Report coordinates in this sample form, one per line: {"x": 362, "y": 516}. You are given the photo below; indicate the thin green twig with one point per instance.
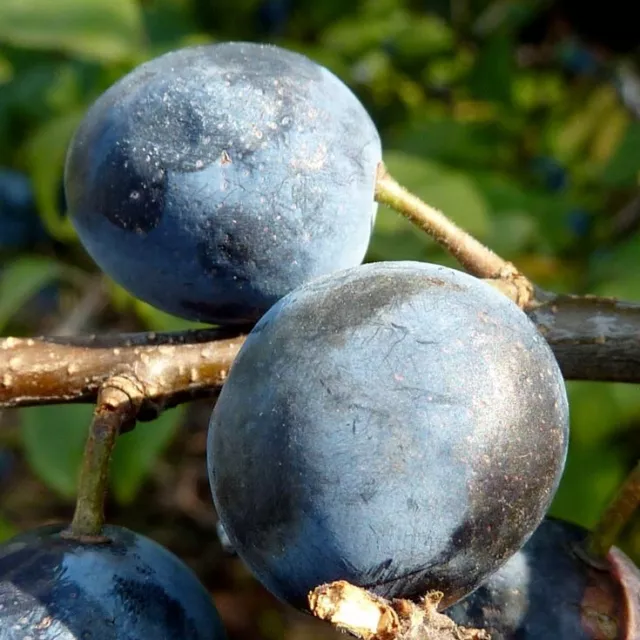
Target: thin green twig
{"x": 616, "y": 516}
{"x": 116, "y": 407}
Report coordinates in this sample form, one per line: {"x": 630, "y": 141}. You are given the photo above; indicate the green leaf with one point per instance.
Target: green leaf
{"x": 411, "y": 36}
{"x": 156, "y": 320}
{"x": 53, "y": 438}
{"x": 461, "y": 144}
{"x": 624, "y": 166}
{"x": 449, "y": 190}
{"x": 447, "y": 70}
{"x": 153, "y": 319}
{"x": 21, "y": 280}
{"x": 492, "y": 76}
{"x": 533, "y": 91}
{"x": 594, "y": 468}
{"x": 590, "y": 478}
{"x": 7, "y": 530}
{"x": 568, "y": 139}
{"x": 627, "y": 401}
{"x": 425, "y": 35}
{"x": 539, "y": 215}
{"x": 6, "y": 70}
{"x": 595, "y": 414}
{"x": 609, "y": 136}
{"x": 137, "y": 451}
{"x": 616, "y": 271}
{"x": 353, "y": 36}
{"x": 45, "y": 155}
{"x": 106, "y": 30}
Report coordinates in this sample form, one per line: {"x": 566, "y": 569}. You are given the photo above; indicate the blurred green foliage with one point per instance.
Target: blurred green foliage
{"x": 535, "y": 159}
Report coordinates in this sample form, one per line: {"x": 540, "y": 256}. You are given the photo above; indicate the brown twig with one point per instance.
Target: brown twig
{"x": 616, "y": 516}
{"x": 592, "y": 338}
{"x": 475, "y": 257}
{"x": 172, "y": 367}
{"x": 92, "y": 301}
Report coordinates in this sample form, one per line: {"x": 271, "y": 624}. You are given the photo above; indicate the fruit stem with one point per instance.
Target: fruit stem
{"x": 616, "y": 516}
{"x": 477, "y": 259}
{"x": 117, "y": 405}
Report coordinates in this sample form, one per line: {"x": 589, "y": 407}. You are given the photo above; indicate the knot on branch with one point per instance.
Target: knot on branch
{"x": 511, "y": 283}
{"x": 123, "y": 394}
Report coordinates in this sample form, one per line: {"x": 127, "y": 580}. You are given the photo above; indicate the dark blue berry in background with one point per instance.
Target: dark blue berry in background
{"x": 551, "y": 173}
{"x": 213, "y": 180}
{"x": 20, "y": 225}
{"x": 130, "y": 588}
{"x": 578, "y": 59}
{"x": 274, "y": 16}
{"x": 8, "y": 459}
{"x": 580, "y": 222}
{"x": 402, "y": 426}
{"x": 547, "y": 591}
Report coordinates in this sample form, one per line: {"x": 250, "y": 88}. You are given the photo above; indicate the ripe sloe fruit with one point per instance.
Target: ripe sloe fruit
{"x": 546, "y": 590}
{"x": 213, "y": 180}
{"x": 402, "y": 426}
{"x": 127, "y": 589}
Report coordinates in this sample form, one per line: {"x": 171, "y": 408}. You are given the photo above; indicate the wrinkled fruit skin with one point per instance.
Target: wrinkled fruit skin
{"x": 213, "y": 180}
{"x": 547, "y": 591}
{"x": 401, "y": 426}
{"x": 131, "y": 588}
